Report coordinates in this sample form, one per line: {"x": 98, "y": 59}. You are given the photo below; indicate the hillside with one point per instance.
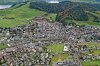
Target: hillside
{"x": 19, "y": 14}
{"x": 87, "y": 1}
{"x": 74, "y": 10}
{"x": 82, "y": 0}
{"x": 18, "y": 1}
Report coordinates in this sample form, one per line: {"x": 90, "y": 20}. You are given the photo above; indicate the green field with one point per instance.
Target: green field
{"x": 56, "y": 48}
{"x": 91, "y": 63}
{"x": 88, "y": 23}
{"x": 19, "y": 15}
{"x": 3, "y": 46}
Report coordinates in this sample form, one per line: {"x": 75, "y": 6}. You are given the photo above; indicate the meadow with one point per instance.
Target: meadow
{"x": 91, "y": 63}
{"x": 56, "y": 48}
{"x": 19, "y": 15}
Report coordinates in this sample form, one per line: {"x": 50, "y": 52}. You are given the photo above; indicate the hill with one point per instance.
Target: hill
{"x": 70, "y": 10}
{"x": 87, "y": 1}
{"x": 18, "y": 1}
{"x": 18, "y": 15}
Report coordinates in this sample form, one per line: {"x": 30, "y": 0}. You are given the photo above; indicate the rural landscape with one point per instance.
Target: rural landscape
{"x": 49, "y": 32}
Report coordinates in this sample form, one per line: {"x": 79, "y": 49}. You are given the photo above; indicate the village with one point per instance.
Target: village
{"x": 27, "y": 44}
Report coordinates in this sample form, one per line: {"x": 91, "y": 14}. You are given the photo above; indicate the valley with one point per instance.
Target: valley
{"x": 38, "y": 33}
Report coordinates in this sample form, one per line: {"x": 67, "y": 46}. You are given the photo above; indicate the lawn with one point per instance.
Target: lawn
{"x": 3, "y": 46}
{"x": 56, "y": 48}
{"x": 91, "y": 63}
{"x": 11, "y": 23}
{"x": 20, "y": 15}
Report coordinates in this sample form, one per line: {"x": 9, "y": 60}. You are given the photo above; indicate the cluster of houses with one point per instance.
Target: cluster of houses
{"x": 26, "y": 43}
{"x": 24, "y": 56}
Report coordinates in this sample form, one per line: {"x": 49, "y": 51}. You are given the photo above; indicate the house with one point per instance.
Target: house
{"x": 66, "y": 48}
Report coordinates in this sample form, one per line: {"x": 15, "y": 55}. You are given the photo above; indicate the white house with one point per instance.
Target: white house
{"x": 66, "y": 48}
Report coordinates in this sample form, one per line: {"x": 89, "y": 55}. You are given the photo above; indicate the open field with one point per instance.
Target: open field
{"x": 56, "y": 48}
{"x": 91, "y": 63}
{"x": 19, "y": 15}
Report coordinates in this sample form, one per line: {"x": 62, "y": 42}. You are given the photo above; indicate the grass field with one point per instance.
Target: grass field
{"x": 3, "y": 46}
{"x": 91, "y": 63}
{"x": 19, "y": 15}
{"x": 88, "y": 23}
{"x": 56, "y": 48}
